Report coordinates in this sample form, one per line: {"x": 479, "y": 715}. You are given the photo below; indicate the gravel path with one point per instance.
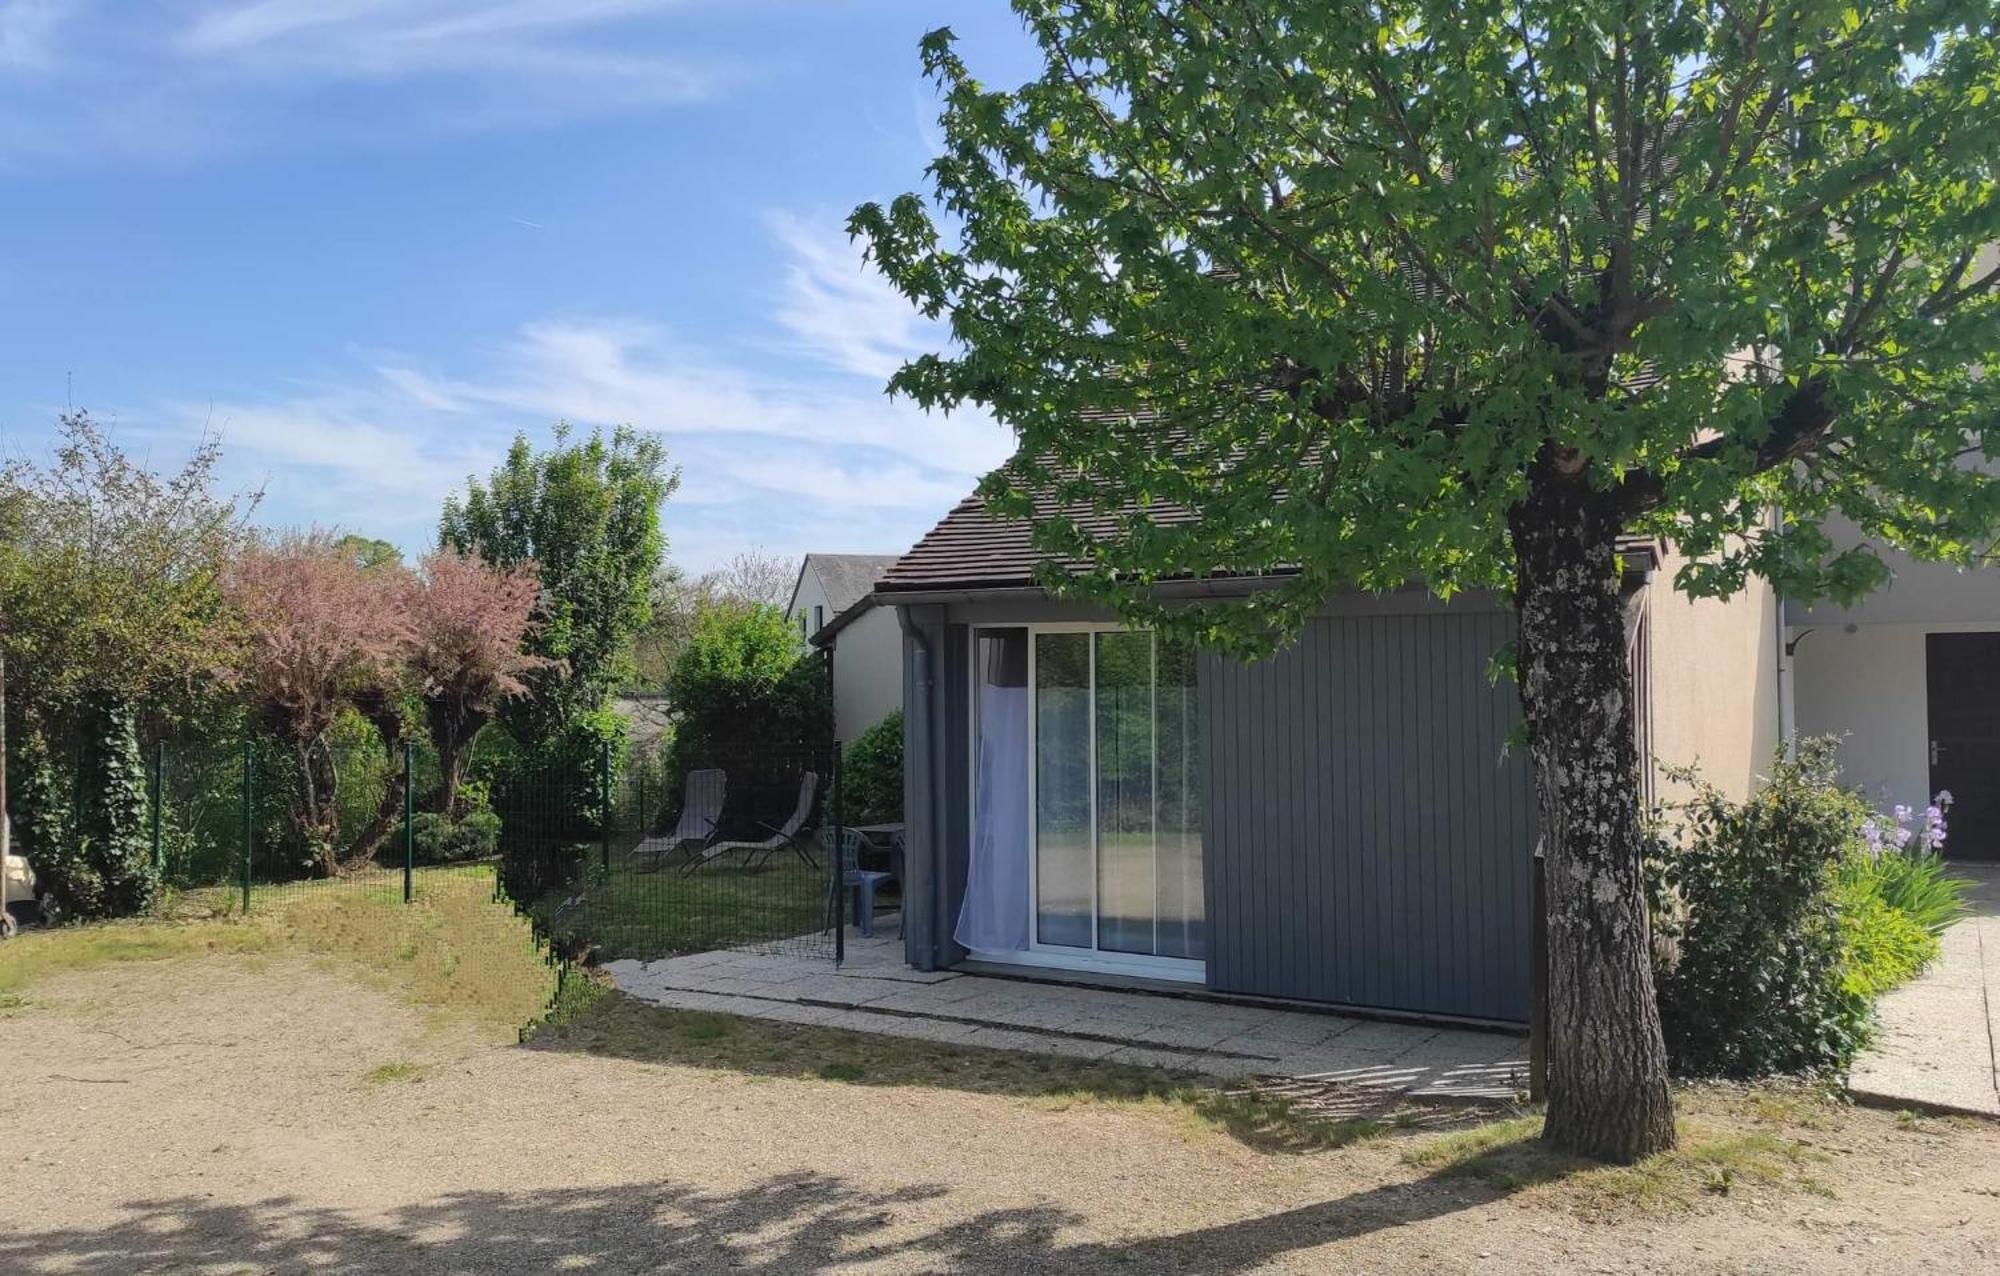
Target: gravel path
{"x": 244, "y": 1115}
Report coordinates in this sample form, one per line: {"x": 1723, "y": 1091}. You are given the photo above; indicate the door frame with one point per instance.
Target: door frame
{"x": 1060, "y": 956}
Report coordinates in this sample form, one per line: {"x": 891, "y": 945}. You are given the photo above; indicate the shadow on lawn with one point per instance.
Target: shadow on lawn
{"x": 792, "y": 1223}
{"x": 1265, "y": 1119}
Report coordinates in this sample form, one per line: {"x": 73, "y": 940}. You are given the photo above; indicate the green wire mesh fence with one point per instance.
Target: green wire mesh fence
{"x": 610, "y": 855}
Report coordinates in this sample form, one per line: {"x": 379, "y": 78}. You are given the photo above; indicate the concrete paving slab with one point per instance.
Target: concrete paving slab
{"x": 1936, "y": 1047}
{"x": 874, "y": 992}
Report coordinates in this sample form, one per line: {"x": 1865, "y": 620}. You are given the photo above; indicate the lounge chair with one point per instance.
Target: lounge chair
{"x": 701, "y": 816}
{"x": 784, "y": 837}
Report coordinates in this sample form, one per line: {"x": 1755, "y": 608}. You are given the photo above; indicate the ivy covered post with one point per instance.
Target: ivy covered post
{"x": 1422, "y": 291}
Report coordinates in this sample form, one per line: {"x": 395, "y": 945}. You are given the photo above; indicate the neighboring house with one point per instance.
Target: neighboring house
{"x": 1344, "y": 823}
{"x": 831, "y": 607}
{"x": 1910, "y": 676}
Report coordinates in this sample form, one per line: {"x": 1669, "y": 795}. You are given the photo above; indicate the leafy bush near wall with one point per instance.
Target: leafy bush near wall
{"x": 872, "y": 770}
{"x": 1750, "y": 975}
{"x": 750, "y": 700}
{"x": 1779, "y": 920}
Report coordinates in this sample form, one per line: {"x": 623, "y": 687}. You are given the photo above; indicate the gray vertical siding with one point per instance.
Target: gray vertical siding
{"x": 1367, "y": 833}
{"x": 955, "y": 778}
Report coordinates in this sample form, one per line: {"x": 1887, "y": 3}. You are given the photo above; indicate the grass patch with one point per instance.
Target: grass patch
{"x": 453, "y": 948}
{"x": 35, "y": 954}
{"x": 1274, "y": 1123}
{"x": 1744, "y": 1141}
{"x": 390, "y": 1073}
{"x": 634, "y": 911}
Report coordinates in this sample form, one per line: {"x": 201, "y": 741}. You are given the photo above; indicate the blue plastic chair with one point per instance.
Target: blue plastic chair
{"x": 852, "y": 876}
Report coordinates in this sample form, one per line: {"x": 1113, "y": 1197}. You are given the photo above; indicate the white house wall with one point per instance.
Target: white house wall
{"x": 1867, "y": 685}
{"x": 1859, "y": 671}
{"x": 867, "y": 672}
{"x": 1714, "y": 683}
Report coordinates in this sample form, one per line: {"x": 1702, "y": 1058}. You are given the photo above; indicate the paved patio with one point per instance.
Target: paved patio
{"x": 1371, "y": 1062}
{"x": 1936, "y": 1048}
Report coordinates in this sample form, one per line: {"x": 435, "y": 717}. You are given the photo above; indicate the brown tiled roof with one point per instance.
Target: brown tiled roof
{"x": 972, "y": 549}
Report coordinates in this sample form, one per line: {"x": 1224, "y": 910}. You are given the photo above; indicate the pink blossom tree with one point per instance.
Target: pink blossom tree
{"x": 319, "y": 629}
{"x": 469, "y": 622}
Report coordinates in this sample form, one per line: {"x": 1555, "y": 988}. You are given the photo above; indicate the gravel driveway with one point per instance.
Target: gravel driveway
{"x": 231, "y": 1114}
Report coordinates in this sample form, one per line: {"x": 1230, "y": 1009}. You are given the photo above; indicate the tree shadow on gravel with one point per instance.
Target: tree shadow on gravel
{"x": 1290, "y": 1117}
{"x": 792, "y": 1223}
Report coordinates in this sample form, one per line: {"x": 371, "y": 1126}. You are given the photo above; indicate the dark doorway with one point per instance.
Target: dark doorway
{"x": 1963, "y": 681}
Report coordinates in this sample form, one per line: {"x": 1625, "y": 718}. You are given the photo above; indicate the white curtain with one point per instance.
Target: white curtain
{"x": 994, "y": 917}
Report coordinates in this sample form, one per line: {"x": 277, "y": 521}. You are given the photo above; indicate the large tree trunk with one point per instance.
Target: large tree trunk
{"x": 383, "y": 714}
{"x": 454, "y": 725}
{"x": 1608, "y": 1095}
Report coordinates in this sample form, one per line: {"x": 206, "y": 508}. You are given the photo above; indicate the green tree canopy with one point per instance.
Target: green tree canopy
{"x": 1460, "y": 293}
{"x": 111, "y": 607}
{"x": 586, "y": 514}
{"x": 110, "y": 572}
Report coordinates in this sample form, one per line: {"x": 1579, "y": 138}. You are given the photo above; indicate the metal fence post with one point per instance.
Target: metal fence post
{"x": 409, "y": 822}
{"x": 604, "y": 793}
{"x": 249, "y": 815}
{"x": 837, "y": 853}
{"x": 159, "y": 801}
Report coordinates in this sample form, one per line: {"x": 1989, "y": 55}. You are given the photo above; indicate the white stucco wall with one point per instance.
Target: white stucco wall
{"x": 1714, "y": 683}
{"x": 867, "y": 672}
{"x": 1869, "y": 686}
{"x": 1859, "y": 671}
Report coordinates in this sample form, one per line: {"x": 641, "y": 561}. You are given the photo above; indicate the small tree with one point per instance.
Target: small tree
{"x": 586, "y": 513}
{"x": 749, "y": 698}
{"x": 469, "y": 624}
{"x": 1461, "y": 294}
{"x": 110, "y": 605}
{"x": 319, "y": 628}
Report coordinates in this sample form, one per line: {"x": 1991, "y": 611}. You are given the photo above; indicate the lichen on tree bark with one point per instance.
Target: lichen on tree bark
{"x": 1608, "y": 1094}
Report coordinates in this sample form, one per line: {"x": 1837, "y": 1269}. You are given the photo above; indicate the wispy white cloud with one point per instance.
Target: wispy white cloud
{"x": 214, "y": 76}
{"x": 840, "y": 311}
{"x": 813, "y": 457}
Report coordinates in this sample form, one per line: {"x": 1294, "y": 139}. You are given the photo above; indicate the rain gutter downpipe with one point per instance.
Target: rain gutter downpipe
{"x": 920, "y": 779}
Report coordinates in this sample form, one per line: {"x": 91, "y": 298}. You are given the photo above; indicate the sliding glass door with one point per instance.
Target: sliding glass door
{"x": 1116, "y": 809}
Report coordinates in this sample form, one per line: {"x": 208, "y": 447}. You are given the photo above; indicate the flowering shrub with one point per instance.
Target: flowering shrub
{"x": 1896, "y": 834}
{"x": 1779, "y": 920}
{"x": 1905, "y": 867}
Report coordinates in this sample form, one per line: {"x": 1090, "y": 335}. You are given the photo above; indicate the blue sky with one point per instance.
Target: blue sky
{"x": 366, "y": 242}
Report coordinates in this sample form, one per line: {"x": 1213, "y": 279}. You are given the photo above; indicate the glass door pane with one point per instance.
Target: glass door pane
{"x": 1125, "y": 758}
{"x": 1064, "y": 863}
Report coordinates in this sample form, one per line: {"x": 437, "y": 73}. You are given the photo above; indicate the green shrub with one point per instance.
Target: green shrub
{"x": 1752, "y": 971}
{"x": 550, "y": 796}
{"x": 439, "y": 839}
{"x": 872, "y": 771}
{"x": 1881, "y": 945}
{"x": 1919, "y": 886}
{"x": 750, "y": 700}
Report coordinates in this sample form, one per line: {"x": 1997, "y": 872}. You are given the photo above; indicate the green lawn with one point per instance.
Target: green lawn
{"x": 454, "y": 947}
{"x": 636, "y": 911}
